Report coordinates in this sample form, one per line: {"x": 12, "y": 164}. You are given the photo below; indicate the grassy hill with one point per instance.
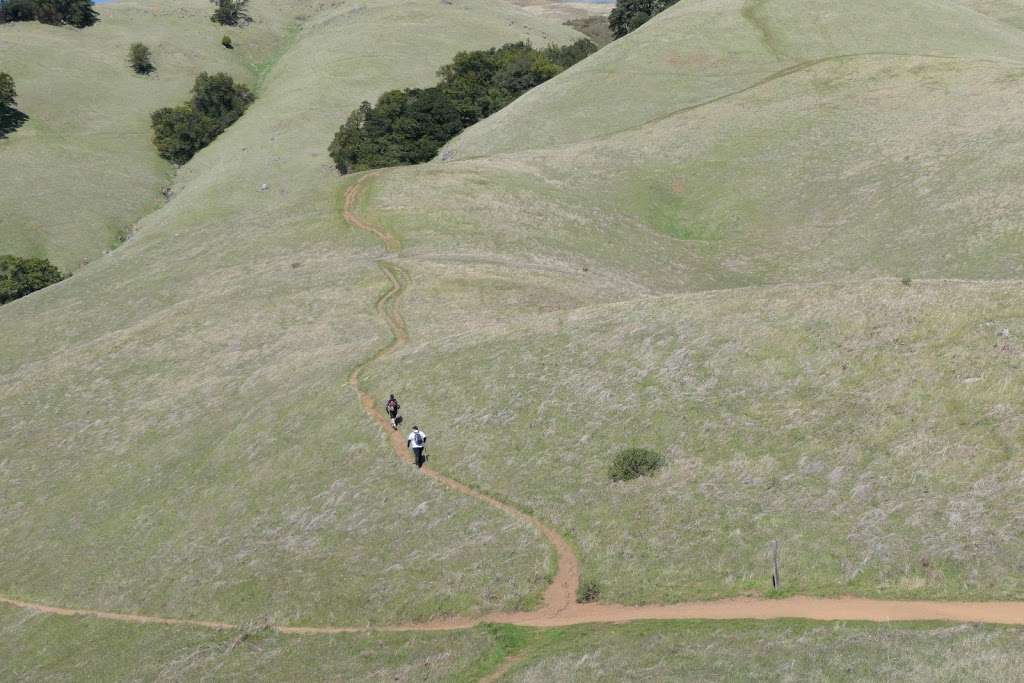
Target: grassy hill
{"x": 82, "y": 170}
{"x": 190, "y": 390}
{"x": 692, "y": 241}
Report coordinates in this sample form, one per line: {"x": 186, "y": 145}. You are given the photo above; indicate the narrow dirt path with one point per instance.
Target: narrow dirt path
{"x": 559, "y": 607}
{"x": 561, "y": 594}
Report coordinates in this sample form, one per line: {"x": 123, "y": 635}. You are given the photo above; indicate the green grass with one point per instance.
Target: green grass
{"x": 37, "y": 648}
{"x": 691, "y": 242}
{"x": 775, "y": 651}
{"x": 182, "y": 436}
{"x": 83, "y": 169}
{"x": 866, "y": 426}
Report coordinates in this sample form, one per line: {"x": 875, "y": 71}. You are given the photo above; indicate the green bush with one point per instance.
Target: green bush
{"x": 78, "y": 13}
{"x": 226, "y": 42}
{"x": 217, "y": 102}
{"x": 409, "y": 126}
{"x": 589, "y": 591}
{"x": 21, "y": 276}
{"x": 631, "y": 463}
{"x": 7, "y": 92}
{"x": 230, "y": 12}
{"x": 141, "y": 59}
{"x": 629, "y": 15}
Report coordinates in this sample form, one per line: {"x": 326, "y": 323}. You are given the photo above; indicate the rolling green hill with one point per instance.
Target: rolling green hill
{"x": 776, "y": 241}
{"x": 82, "y": 170}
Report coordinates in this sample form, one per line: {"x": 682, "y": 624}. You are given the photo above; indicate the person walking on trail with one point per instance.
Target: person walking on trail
{"x": 417, "y": 441}
{"x": 392, "y": 408}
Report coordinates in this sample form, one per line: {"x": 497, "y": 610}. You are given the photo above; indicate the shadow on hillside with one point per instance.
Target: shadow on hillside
{"x": 10, "y": 121}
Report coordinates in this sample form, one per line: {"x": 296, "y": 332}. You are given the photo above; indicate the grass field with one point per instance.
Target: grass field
{"x": 189, "y": 391}
{"x": 35, "y": 647}
{"x": 695, "y": 240}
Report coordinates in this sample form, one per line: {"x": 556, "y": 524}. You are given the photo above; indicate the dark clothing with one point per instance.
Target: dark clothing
{"x": 420, "y": 458}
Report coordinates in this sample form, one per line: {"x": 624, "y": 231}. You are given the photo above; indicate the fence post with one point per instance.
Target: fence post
{"x": 776, "y": 578}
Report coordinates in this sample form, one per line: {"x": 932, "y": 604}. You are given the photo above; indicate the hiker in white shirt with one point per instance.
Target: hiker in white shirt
{"x": 417, "y": 441}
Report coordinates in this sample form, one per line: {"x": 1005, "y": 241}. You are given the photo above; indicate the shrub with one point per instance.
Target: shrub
{"x": 78, "y": 13}
{"x": 141, "y": 59}
{"x": 230, "y": 12}
{"x": 589, "y": 591}
{"x": 629, "y": 15}
{"x": 217, "y": 102}
{"x": 7, "y": 92}
{"x": 22, "y": 276}
{"x": 409, "y": 126}
{"x": 906, "y": 281}
{"x": 631, "y": 463}
{"x": 226, "y": 42}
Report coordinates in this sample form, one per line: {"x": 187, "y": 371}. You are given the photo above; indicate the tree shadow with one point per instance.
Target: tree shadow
{"x": 10, "y": 121}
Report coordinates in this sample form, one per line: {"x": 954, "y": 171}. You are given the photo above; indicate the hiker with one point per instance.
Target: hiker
{"x": 392, "y": 408}
{"x": 417, "y": 441}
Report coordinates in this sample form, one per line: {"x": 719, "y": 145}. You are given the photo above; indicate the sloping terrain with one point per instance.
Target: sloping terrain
{"x": 776, "y": 241}
{"x": 190, "y": 391}
{"x": 82, "y": 169}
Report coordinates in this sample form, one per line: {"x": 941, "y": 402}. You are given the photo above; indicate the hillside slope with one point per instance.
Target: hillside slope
{"x": 701, "y": 50}
{"x": 704, "y": 258}
{"x": 189, "y": 392}
{"x": 82, "y": 170}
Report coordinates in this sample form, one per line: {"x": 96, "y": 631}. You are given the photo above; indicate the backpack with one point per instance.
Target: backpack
{"x": 417, "y": 439}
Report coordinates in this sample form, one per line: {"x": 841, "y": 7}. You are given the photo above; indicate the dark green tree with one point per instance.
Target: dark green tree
{"x": 21, "y": 276}
{"x": 217, "y": 102}
{"x": 141, "y": 59}
{"x": 567, "y": 55}
{"x": 410, "y": 126}
{"x": 629, "y": 15}
{"x": 78, "y": 13}
{"x": 8, "y": 94}
{"x": 230, "y": 12}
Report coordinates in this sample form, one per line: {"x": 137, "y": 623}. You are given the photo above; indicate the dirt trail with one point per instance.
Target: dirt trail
{"x": 559, "y": 607}
{"x": 561, "y": 594}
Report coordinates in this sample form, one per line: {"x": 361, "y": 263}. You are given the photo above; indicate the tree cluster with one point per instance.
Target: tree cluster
{"x": 217, "y": 102}
{"x": 629, "y": 15}
{"x": 78, "y": 13}
{"x": 409, "y": 126}
{"x": 230, "y": 12}
{"x": 21, "y": 276}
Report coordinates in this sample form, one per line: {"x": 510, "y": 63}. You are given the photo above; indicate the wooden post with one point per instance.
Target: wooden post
{"x": 776, "y": 578}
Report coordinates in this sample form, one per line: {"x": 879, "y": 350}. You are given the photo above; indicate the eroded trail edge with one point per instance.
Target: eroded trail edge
{"x": 559, "y": 607}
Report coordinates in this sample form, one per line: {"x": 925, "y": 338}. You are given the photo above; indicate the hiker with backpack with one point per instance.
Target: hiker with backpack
{"x": 417, "y": 441}
{"x": 392, "y": 408}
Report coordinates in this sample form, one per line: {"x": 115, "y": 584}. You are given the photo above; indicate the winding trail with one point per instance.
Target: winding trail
{"x": 559, "y": 607}
{"x": 561, "y": 594}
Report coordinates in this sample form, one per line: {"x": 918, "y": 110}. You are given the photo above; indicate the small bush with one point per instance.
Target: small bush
{"x": 631, "y": 463}
{"x": 226, "y": 42}
{"x": 141, "y": 59}
{"x": 906, "y": 281}
{"x": 7, "y": 92}
{"x": 22, "y": 276}
{"x": 589, "y": 591}
{"x": 217, "y": 102}
{"x": 230, "y": 12}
